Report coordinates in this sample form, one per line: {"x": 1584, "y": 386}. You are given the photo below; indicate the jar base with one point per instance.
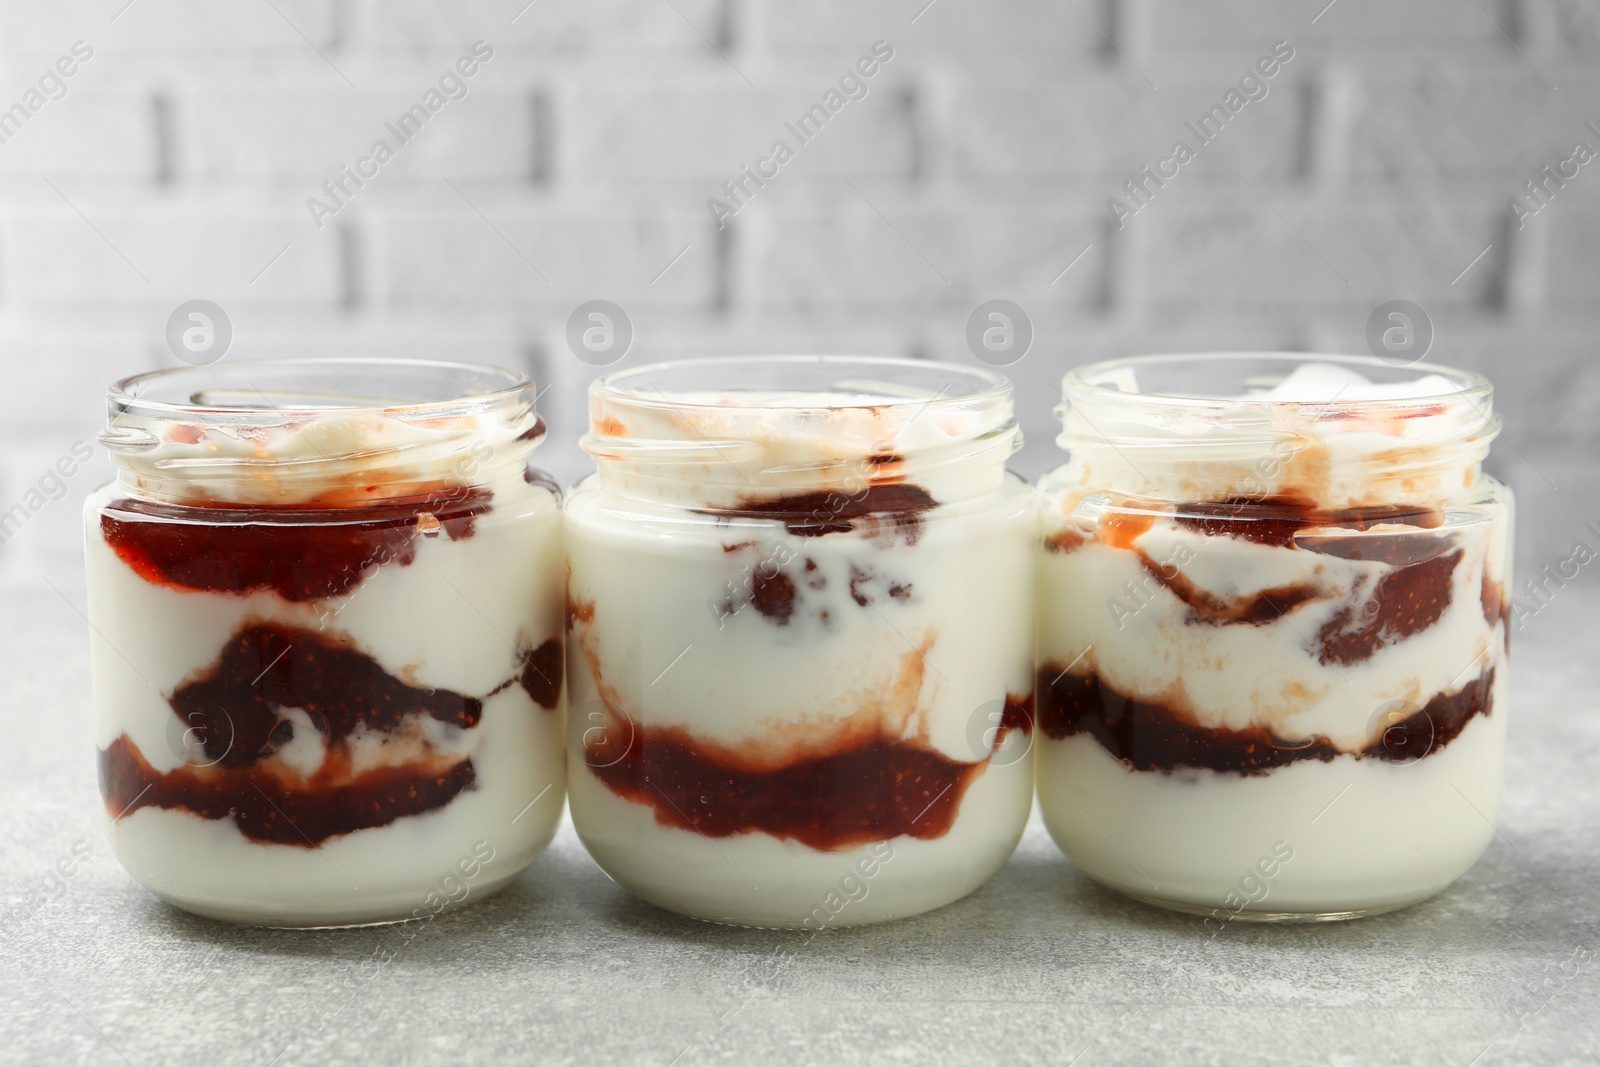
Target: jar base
{"x": 798, "y": 926}
{"x": 1284, "y": 917}
{"x": 327, "y": 926}
{"x": 354, "y": 920}
{"x": 794, "y": 925}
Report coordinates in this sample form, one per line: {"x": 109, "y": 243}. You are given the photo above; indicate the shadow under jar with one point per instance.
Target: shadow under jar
{"x": 1272, "y": 632}
{"x": 326, "y": 599}
{"x": 798, "y": 601}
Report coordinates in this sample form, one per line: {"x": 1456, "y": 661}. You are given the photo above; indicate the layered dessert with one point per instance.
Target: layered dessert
{"x": 799, "y": 644}
{"x": 1272, "y": 621}
{"x": 327, "y": 636}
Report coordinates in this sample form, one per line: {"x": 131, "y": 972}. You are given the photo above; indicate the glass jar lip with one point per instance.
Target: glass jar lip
{"x": 988, "y": 385}
{"x": 130, "y": 394}
{"x": 1082, "y": 381}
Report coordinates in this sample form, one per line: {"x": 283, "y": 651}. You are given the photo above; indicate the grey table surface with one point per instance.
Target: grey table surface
{"x": 1040, "y": 965}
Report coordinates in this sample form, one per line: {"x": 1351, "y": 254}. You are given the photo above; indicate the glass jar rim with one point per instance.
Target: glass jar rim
{"x": 276, "y": 429}
{"x": 1200, "y": 434}
{"x": 131, "y": 395}
{"x": 1090, "y": 380}
{"x": 784, "y": 424}
{"x": 621, "y": 386}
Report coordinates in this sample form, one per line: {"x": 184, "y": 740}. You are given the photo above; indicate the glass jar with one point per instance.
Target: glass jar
{"x": 326, "y": 600}
{"x": 798, "y": 604}
{"x": 1272, "y": 632}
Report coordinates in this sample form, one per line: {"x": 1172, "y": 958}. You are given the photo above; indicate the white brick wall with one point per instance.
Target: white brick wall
{"x": 179, "y": 160}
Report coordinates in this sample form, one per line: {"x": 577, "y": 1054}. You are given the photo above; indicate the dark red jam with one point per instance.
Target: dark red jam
{"x": 1404, "y": 602}
{"x": 877, "y": 790}
{"x": 867, "y": 790}
{"x": 1276, "y": 520}
{"x": 1018, "y": 714}
{"x": 541, "y": 673}
{"x": 1155, "y": 736}
{"x": 267, "y": 808}
{"x": 772, "y": 593}
{"x": 232, "y": 710}
{"x": 897, "y": 505}
{"x": 1204, "y": 607}
{"x": 309, "y": 551}
{"x": 1408, "y": 599}
{"x": 233, "y": 706}
{"x": 777, "y": 593}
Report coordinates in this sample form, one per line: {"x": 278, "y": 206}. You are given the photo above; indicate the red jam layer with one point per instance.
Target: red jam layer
{"x": 1407, "y": 600}
{"x": 270, "y": 810}
{"x": 233, "y": 706}
{"x": 1404, "y": 602}
{"x": 1279, "y": 521}
{"x": 871, "y": 790}
{"x": 1204, "y": 607}
{"x": 898, "y": 505}
{"x": 1018, "y": 715}
{"x": 309, "y": 551}
{"x": 232, "y": 711}
{"x": 1276, "y": 520}
{"x": 1154, "y": 736}
{"x": 541, "y": 673}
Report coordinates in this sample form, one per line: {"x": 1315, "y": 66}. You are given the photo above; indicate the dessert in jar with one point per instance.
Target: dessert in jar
{"x": 326, "y": 607}
{"x": 1272, "y": 632}
{"x": 799, "y": 649}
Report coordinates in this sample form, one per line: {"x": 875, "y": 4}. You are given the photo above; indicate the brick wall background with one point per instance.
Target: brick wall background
{"x": 1380, "y": 164}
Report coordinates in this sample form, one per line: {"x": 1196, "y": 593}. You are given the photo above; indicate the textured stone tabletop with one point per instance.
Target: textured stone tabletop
{"x": 1039, "y": 966}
